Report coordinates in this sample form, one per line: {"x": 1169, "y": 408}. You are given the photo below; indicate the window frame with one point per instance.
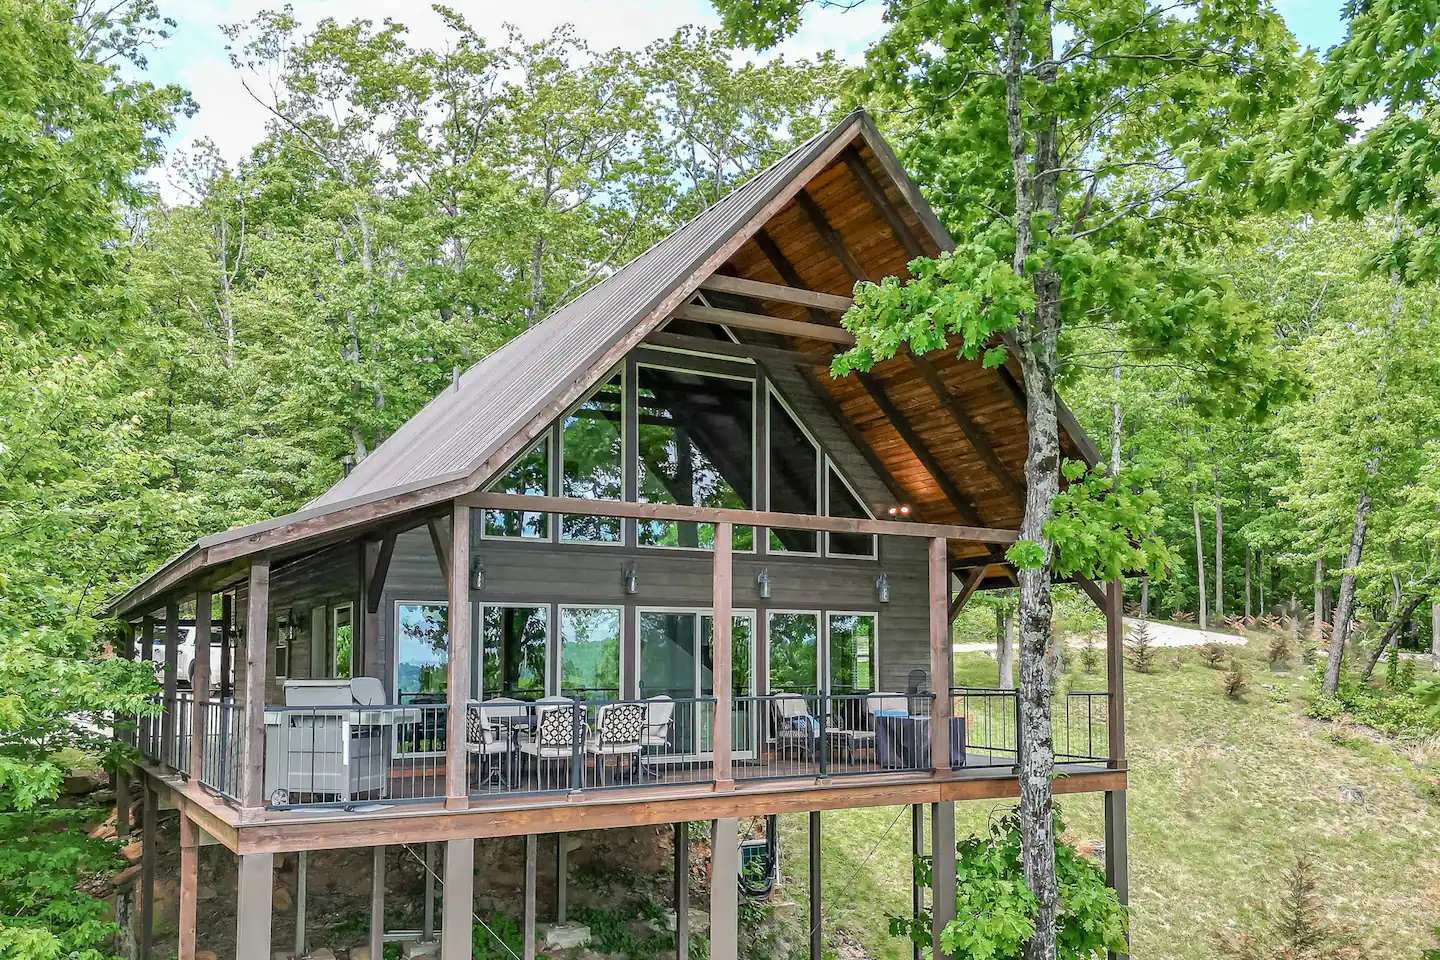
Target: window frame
{"x": 334, "y": 665}
{"x": 558, "y": 645}
{"x": 477, "y": 640}
{"x": 820, "y": 640}
{"x": 875, "y": 644}
{"x": 550, "y": 435}
{"x": 820, "y": 460}
{"x": 395, "y": 606}
{"x": 874, "y": 554}
{"x": 559, "y": 481}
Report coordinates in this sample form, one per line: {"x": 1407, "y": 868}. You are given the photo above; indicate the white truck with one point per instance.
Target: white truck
{"x": 185, "y": 656}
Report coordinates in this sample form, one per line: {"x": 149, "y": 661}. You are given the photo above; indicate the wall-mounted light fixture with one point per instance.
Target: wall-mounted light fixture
{"x": 477, "y": 574}
{"x": 763, "y": 582}
{"x": 632, "y": 581}
{"x": 899, "y": 510}
{"x": 288, "y": 629}
{"x": 882, "y": 586}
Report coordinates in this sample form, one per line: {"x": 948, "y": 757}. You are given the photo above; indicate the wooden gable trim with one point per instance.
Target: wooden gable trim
{"x": 780, "y": 293}
{"x": 765, "y": 323}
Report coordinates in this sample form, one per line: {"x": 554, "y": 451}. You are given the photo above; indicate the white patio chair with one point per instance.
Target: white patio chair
{"x": 553, "y": 740}
{"x": 488, "y": 736}
{"x": 619, "y": 728}
{"x": 796, "y": 729}
{"x": 659, "y": 723}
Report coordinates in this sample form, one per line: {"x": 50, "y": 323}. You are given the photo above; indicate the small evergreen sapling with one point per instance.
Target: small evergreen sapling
{"x": 1214, "y": 654}
{"x": 1140, "y": 648}
{"x": 1235, "y": 680}
{"x": 1089, "y": 654}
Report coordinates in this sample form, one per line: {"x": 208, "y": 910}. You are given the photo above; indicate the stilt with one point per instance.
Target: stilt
{"x": 253, "y": 911}
{"x": 817, "y": 914}
{"x": 531, "y": 856}
{"x": 917, "y": 850}
{"x": 457, "y": 919}
{"x": 682, "y": 891}
{"x": 942, "y": 870}
{"x": 302, "y": 869}
{"x": 562, "y": 878}
{"x": 147, "y": 871}
{"x": 377, "y": 905}
{"x": 1117, "y": 850}
{"x": 427, "y": 929}
{"x": 189, "y": 885}
{"x": 724, "y": 889}
{"x": 122, "y": 801}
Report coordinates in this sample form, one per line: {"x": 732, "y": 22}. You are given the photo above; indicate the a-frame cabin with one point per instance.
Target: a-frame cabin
{"x": 698, "y": 578}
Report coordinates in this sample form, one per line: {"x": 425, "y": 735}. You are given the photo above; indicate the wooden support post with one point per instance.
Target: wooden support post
{"x": 122, "y": 800}
{"x": 257, "y": 636}
{"x": 457, "y": 917}
{"x": 1117, "y": 850}
{"x": 302, "y": 882}
{"x": 253, "y": 912}
{"x": 725, "y": 889}
{"x": 942, "y": 870}
{"x": 227, "y": 648}
{"x": 147, "y": 655}
{"x": 148, "y": 856}
{"x": 532, "y": 855}
{"x": 457, "y": 758}
{"x": 377, "y": 903}
{"x": 942, "y": 671}
{"x": 427, "y": 927}
{"x": 562, "y": 879}
{"x": 200, "y": 684}
{"x": 170, "y": 706}
{"x": 189, "y": 886}
{"x": 917, "y": 850}
{"x": 1115, "y": 669}
{"x": 682, "y": 891}
{"x": 817, "y": 913}
{"x": 721, "y": 662}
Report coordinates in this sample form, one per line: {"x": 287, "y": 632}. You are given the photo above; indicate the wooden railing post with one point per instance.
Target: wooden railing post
{"x": 457, "y": 758}
{"x": 257, "y": 637}
{"x": 721, "y": 663}
{"x": 200, "y": 684}
{"x": 147, "y": 655}
{"x": 170, "y": 708}
{"x": 1115, "y": 669}
{"x": 942, "y": 670}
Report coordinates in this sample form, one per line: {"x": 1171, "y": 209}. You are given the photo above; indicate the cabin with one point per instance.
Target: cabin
{"x": 648, "y": 563}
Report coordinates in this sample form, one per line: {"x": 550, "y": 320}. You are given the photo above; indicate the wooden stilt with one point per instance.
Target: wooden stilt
{"x": 122, "y": 801}
{"x": 427, "y": 929}
{"x": 562, "y": 878}
{"x": 1117, "y": 850}
{"x": 682, "y": 891}
{"x": 457, "y": 921}
{"x": 253, "y": 911}
{"x": 302, "y": 879}
{"x": 942, "y": 874}
{"x": 942, "y": 648}
{"x": 189, "y": 886}
{"x": 817, "y": 914}
{"x": 377, "y": 904}
{"x": 531, "y": 856}
{"x": 724, "y": 889}
{"x": 721, "y": 664}
{"x": 147, "y": 871}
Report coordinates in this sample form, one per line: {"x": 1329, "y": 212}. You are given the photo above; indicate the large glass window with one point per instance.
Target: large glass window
{"x": 842, "y": 502}
{"x": 590, "y": 652}
{"x": 513, "y": 645}
{"x": 591, "y": 447}
{"x": 422, "y": 651}
{"x": 677, "y": 660}
{"x": 697, "y": 448}
{"x": 530, "y": 476}
{"x": 851, "y": 648}
{"x": 343, "y": 637}
{"x": 794, "y": 478}
{"x": 794, "y": 645}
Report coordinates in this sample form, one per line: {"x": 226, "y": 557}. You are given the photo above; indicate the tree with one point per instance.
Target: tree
{"x": 1057, "y": 144}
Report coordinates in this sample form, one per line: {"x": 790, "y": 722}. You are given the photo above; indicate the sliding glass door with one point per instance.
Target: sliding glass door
{"x": 677, "y": 660}
{"x": 422, "y": 661}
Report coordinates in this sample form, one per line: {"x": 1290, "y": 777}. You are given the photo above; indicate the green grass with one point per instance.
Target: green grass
{"x": 1223, "y": 794}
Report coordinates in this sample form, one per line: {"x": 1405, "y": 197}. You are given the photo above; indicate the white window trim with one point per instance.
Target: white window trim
{"x": 831, "y": 467}
{"x": 749, "y": 612}
{"x": 395, "y": 641}
{"x": 477, "y": 648}
{"x": 349, "y": 607}
{"x": 558, "y": 645}
{"x": 754, "y": 460}
{"x": 874, "y": 653}
{"x": 820, "y": 460}
{"x": 820, "y": 638}
{"x": 559, "y": 481}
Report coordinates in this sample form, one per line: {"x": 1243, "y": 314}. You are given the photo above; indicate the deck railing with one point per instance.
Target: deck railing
{"x": 221, "y": 751}
{"x": 1079, "y": 719}
{"x": 785, "y": 735}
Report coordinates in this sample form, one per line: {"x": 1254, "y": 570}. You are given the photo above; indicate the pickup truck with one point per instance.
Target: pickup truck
{"x": 185, "y": 656}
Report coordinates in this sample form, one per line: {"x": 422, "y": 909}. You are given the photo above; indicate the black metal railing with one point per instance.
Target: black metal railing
{"x": 1082, "y": 731}
{"x": 786, "y": 735}
{"x": 1079, "y": 720}
{"x": 221, "y": 750}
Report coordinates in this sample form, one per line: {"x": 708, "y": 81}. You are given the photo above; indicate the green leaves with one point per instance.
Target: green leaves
{"x": 1107, "y": 527}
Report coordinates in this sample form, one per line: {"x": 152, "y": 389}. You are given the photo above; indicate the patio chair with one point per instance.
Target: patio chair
{"x": 850, "y": 724}
{"x": 797, "y": 732}
{"x": 659, "y": 723}
{"x": 619, "y": 729}
{"x": 553, "y": 741}
{"x": 490, "y": 735}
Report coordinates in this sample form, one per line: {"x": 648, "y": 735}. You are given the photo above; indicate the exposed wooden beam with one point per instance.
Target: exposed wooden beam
{"x": 782, "y": 266}
{"x": 377, "y": 576}
{"x": 257, "y": 639}
{"x": 440, "y": 539}
{"x": 776, "y": 292}
{"x": 759, "y": 518}
{"x": 967, "y": 426}
{"x": 882, "y": 205}
{"x": 830, "y": 236}
{"x": 917, "y": 446}
{"x": 765, "y": 323}
{"x": 1093, "y": 590}
{"x": 967, "y": 590}
{"x": 722, "y": 589}
{"x": 858, "y": 440}
{"x": 728, "y": 348}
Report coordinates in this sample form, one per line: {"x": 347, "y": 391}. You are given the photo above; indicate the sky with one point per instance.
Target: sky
{"x": 195, "y": 56}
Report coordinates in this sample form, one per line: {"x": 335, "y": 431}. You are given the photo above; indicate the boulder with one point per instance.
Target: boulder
{"x": 565, "y": 936}
{"x": 359, "y": 953}
{"x": 281, "y": 900}
{"x": 323, "y": 953}
{"x": 420, "y": 948}
{"x": 82, "y": 782}
{"x": 1349, "y": 794}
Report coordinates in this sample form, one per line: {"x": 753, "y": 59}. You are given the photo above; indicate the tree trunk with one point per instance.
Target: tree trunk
{"x": 1199, "y": 559}
{"x": 1340, "y": 629}
{"x": 1435, "y": 636}
{"x": 1219, "y": 562}
{"x": 1396, "y": 624}
{"x": 1319, "y": 594}
{"x": 1117, "y": 420}
{"x": 1145, "y": 598}
{"x": 1005, "y": 647}
{"x": 1249, "y": 610}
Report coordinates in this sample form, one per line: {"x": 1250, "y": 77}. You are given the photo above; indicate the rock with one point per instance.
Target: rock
{"x": 1349, "y": 794}
{"x": 85, "y": 781}
{"x": 1095, "y": 849}
{"x": 133, "y": 850}
{"x": 419, "y": 948}
{"x": 204, "y": 892}
{"x": 323, "y": 953}
{"x": 699, "y": 923}
{"x": 565, "y": 936}
{"x": 281, "y": 900}
{"x": 359, "y": 953}
{"x": 103, "y": 796}
{"x": 282, "y": 955}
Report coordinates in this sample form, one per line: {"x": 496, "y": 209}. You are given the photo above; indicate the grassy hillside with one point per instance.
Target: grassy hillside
{"x": 1223, "y": 794}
